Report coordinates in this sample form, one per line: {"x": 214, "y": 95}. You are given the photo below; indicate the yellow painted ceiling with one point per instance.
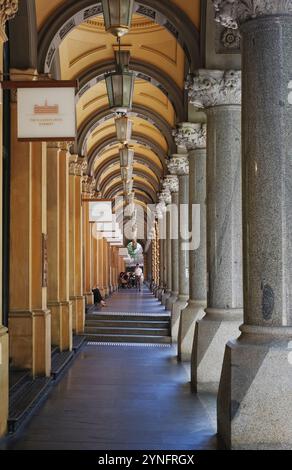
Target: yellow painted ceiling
{"x": 44, "y": 9}
{"x": 88, "y": 45}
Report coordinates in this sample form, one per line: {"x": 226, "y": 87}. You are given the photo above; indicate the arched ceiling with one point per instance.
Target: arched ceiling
{"x": 164, "y": 46}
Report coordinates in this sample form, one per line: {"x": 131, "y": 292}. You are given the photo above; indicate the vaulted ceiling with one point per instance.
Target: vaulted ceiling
{"x": 164, "y": 46}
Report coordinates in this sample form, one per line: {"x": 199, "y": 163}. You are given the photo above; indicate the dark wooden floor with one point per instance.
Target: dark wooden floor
{"x": 123, "y": 397}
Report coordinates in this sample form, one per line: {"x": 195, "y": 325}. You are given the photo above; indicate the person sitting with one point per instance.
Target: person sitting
{"x": 98, "y": 299}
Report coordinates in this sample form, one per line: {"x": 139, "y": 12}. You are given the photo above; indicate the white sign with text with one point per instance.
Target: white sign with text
{"x": 46, "y": 113}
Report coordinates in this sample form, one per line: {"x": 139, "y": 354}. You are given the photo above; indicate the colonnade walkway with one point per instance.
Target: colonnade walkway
{"x": 123, "y": 397}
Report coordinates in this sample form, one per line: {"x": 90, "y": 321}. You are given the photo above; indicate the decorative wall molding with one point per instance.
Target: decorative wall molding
{"x": 8, "y": 10}
{"x": 232, "y": 13}
{"x": 209, "y": 88}
{"x": 190, "y": 136}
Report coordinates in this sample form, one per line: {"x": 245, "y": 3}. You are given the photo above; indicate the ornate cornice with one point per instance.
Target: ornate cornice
{"x": 178, "y": 165}
{"x": 209, "y": 88}
{"x": 232, "y": 13}
{"x": 190, "y": 136}
{"x": 89, "y": 186}
{"x": 77, "y": 165}
{"x": 8, "y": 10}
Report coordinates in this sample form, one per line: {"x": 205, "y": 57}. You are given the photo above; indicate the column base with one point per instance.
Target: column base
{"x": 61, "y": 314}
{"x": 30, "y": 341}
{"x": 160, "y": 293}
{"x": 165, "y": 296}
{"x": 89, "y": 298}
{"x": 176, "y": 310}
{"x": 194, "y": 312}
{"x": 171, "y": 300}
{"x": 4, "y": 380}
{"x": 211, "y": 335}
{"x": 78, "y": 314}
{"x": 255, "y": 394}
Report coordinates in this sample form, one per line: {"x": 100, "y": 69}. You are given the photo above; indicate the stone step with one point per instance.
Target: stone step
{"x": 127, "y": 331}
{"x": 60, "y": 361}
{"x": 128, "y": 324}
{"x": 17, "y": 377}
{"x": 99, "y": 338}
{"x": 78, "y": 342}
{"x": 121, "y": 316}
{"x": 25, "y": 398}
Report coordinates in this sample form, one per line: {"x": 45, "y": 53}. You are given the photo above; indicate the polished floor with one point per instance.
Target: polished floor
{"x": 123, "y": 397}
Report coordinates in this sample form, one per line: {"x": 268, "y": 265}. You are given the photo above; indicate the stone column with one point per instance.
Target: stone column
{"x": 77, "y": 168}
{"x": 168, "y": 254}
{"x": 193, "y": 138}
{"x": 179, "y": 166}
{"x": 255, "y": 395}
{"x": 88, "y": 191}
{"x": 58, "y": 245}
{"x": 172, "y": 181}
{"x": 29, "y": 318}
{"x": 220, "y": 93}
{"x": 5, "y": 14}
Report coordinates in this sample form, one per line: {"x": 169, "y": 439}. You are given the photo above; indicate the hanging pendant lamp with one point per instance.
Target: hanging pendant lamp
{"x": 117, "y": 16}
{"x": 120, "y": 85}
{"x": 124, "y": 128}
{"x": 126, "y": 156}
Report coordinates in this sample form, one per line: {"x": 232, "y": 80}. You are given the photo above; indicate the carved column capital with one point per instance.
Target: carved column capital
{"x": 165, "y": 196}
{"x": 77, "y": 165}
{"x": 190, "y": 136}
{"x": 209, "y": 88}
{"x": 8, "y": 10}
{"x": 232, "y": 13}
{"x": 89, "y": 186}
{"x": 178, "y": 165}
{"x": 171, "y": 183}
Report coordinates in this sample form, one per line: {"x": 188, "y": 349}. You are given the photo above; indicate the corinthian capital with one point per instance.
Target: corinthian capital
{"x": 165, "y": 196}
{"x": 211, "y": 88}
{"x": 171, "y": 183}
{"x": 190, "y": 136}
{"x": 231, "y": 13}
{"x": 178, "y": 165}
{"x": 77, "y": 165}
{"x": 8, "y": 10}
{"x": 89, "y": 186}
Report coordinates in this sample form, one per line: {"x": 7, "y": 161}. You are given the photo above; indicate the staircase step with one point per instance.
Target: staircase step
{"x": 99, "y": 338}
{"x": 127, "y": 324}
{"x": 128, "y": 331}
{"x": 78, "y": 342}
{"x": 17, "y": 378}
{"x": 60, "y": 361}
{"x": 25, "y": 398}
{"x": 127, "y": 317}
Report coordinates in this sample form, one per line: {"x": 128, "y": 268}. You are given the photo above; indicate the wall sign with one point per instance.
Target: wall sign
{"x": 46, "y": 113}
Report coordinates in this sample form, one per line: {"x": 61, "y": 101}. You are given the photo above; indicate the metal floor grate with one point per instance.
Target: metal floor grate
{"x": 126, "y": 345}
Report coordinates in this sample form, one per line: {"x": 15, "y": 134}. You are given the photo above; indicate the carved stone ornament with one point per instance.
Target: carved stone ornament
{"x": 8, "y": 10}
{"x": 88, "y": 186}
{"x": 232, "y": 13}
{"x": 190, "y": 136}
{"x": 209, "y": 88}
{"x": 165, "y": 196}
{"x": 77, "y": 165}
{"x": 171, "y": 183}
{"x": 160, "y": 210}
{"x": 230, "y": 39}
{"x": 178, "y": 165}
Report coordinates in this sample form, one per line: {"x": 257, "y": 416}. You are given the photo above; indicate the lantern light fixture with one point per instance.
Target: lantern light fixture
{"x": 124, "y": 127}
{"x": 126, "y": 156}
{"x": 117, "y": 16}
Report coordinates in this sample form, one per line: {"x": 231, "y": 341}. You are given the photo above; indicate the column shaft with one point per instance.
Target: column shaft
{"x": 174, "y": 252}
{"x": 198, "y": 257}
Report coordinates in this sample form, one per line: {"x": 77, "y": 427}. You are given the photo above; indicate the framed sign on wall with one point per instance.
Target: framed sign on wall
{"x": 46, "y": 110}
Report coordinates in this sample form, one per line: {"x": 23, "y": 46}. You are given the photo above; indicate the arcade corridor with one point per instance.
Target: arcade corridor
{"x": 122, "y": 397}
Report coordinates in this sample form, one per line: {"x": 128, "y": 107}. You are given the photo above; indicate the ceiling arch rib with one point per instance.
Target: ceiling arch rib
{"x": 71, "y": 14}
{"x": 91, "y": 124}
{"x": 148, "y": 180}
{"x": 138, "y": 158}
{"x": 144, "y": 71}
{"x": 136, "y": 138}
{"x": 111, "y": 191}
